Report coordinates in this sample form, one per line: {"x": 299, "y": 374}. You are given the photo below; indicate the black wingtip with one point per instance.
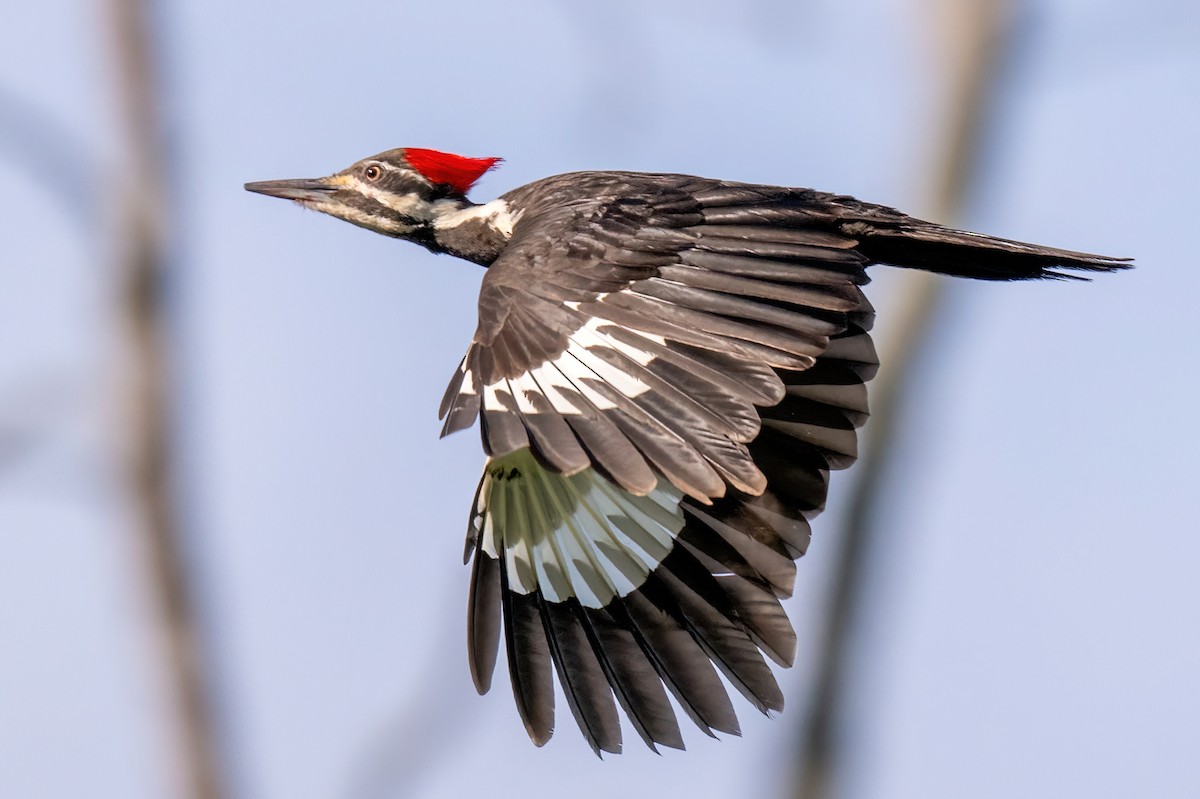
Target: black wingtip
{"x": 483, "y": 621}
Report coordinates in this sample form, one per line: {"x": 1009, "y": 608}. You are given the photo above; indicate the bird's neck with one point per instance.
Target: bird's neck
{"x": 473, "y": 232}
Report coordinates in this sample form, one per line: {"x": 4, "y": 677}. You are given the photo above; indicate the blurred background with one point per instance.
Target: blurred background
{"x": 230, "y": 538}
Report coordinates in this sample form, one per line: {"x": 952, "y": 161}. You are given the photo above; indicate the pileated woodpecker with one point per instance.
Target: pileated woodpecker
{"x": 665, "y": 370}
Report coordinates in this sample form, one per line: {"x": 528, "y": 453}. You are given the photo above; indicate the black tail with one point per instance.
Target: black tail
{"x": 889, "y": 237}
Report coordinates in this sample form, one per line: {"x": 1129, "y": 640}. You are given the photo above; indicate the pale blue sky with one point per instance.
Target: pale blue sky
{"x": 1033, "y": 628}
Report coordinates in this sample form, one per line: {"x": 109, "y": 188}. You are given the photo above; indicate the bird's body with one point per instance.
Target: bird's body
{"x": 665, "y": 370}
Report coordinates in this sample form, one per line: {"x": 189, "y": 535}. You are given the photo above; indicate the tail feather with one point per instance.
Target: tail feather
{"x": 889, "y": 237}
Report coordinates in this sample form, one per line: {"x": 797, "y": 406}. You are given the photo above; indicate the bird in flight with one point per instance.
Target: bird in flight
{"x": 665, "y": 370}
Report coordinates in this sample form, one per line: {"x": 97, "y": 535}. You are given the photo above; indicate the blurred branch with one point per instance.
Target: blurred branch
{"x": 144, "y": 218}
{"x": 975, "y": 39}
{"x": 17, "y": 441}
{"x": 45, "y": 148}
{"x": 28, "y": 416}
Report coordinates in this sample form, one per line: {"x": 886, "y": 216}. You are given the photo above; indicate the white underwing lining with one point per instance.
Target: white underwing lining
{"x": 573, "y": 536}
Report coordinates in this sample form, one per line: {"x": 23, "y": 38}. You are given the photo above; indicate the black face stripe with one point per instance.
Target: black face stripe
{"x": 375, "y": 209}
{"x": 399, "y": 178}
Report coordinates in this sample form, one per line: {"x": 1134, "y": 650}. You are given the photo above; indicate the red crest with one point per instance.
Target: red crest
{"x": 456, "y": 171}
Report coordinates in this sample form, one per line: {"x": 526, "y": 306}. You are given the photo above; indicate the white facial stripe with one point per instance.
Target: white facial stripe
{"x": 406, "y": 204}
{"x": 360, "y": 217}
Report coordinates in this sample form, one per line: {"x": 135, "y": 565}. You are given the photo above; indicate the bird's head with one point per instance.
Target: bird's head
{"x": 396, "y": 193}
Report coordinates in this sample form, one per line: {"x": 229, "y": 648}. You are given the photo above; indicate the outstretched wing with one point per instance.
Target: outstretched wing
{"x": 666, "y": 368}
{"x": 634, "y": 324}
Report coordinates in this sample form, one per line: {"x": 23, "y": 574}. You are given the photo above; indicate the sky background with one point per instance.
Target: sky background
{"x": 1033, "y": 627}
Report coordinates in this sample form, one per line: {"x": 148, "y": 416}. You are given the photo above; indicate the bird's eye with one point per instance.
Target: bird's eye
{"x": 373, "y": 172}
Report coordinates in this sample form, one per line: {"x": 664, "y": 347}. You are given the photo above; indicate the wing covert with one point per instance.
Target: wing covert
{"x": 636, "y": 323}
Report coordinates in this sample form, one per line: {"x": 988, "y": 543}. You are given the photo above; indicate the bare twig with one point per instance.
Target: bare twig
{"x": 145, "y": 261}
{"x": 975, "y": 34}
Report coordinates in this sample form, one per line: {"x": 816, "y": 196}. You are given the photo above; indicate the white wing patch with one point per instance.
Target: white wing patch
{"x": 579, "y": 536}
{"x": 553, "y": 383}
{"x": 577, "y": 376}
{"x": 572, "y": 371}
{"x": 595, "y": 334}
